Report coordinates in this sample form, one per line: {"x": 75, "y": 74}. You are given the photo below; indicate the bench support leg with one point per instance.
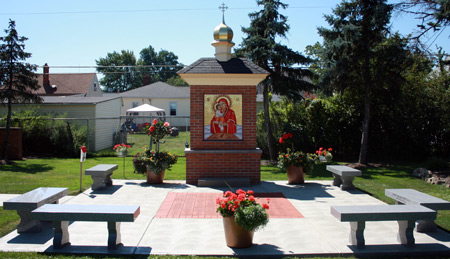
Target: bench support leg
{"x": 61, "y": 238}
{"x": 98, "y": 182}
{"x": 347, "y": 183}
{"x": 27, "y": 223}
{"x": 108, "y": 180}
{"x": 337, "y": 181}
{"x": 114, "y": 238}
{"x": 406, "y": 232}
{"x": 357, "y": 233}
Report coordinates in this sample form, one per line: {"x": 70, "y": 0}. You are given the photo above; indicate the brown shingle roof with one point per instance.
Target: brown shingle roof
{"x": 232, "y": 66}
{"x": 66, "y": 84}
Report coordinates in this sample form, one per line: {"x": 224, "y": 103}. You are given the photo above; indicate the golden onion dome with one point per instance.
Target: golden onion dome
{"x": 223, "y": 33}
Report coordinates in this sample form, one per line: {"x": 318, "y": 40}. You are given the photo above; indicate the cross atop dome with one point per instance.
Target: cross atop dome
{"x": 223, "y": 8}
{"x": 223, "y": 36}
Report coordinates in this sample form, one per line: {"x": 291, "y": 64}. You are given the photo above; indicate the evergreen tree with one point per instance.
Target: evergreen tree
{"x": 359, "y": 56}
{"x": 262, "y": 46}
{"x": 18, "y": 82}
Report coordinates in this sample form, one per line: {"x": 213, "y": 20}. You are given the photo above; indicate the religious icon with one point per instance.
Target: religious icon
{"x": 223, "y": 117}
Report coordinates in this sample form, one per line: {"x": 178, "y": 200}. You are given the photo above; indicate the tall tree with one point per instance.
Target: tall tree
{"x": 119, "y": 71}
{"x": 262, "y": 46}
{"x": 358, "y": 55}
{"x": 158, "y": 66}
{"x": 17, "y": 78}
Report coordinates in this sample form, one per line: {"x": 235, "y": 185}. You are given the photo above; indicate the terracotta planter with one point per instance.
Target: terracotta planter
{"x": 153, "y": 178}
{"x": 236, "y": 236}
{"x": 295, "y": 175}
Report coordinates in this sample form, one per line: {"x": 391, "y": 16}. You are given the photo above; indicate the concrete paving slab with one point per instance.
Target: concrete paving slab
{"x": 317, "y": 234}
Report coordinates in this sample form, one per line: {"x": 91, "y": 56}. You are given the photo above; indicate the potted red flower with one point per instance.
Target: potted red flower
{"x": 242, "y": 216}
{"x": 121, "y": 149}
{"x": 157, "y": 161}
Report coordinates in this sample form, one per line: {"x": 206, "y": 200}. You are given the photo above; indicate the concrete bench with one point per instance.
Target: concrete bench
{"x": 343, "y": 176}
{"x": 101, "y": 175}
{"x": 31, "y": 200}
{"x": 405, "y": 215}
{"x": 413, "y": 197}
{"x": 61, "y": 214}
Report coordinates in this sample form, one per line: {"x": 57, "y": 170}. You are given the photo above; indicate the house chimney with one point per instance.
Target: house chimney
{"x": 146, "y": 80}
{"x": 46, "y": 72}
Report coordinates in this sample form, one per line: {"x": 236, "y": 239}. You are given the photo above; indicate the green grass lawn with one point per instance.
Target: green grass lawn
{"x": 29, "y": 174}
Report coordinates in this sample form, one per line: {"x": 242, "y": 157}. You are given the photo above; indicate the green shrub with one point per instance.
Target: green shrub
{"x": 436, "y": 163}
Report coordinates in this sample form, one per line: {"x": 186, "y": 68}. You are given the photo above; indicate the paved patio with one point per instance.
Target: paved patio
{"x": 168, "y": 227}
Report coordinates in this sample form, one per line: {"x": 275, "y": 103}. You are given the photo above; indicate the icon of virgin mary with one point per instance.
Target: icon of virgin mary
{"x": 223, "y": 124}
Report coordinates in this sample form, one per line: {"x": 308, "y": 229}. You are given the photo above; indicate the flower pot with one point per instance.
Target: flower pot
{"x": 153, "y": 178}
{"x": 122, "y": 153}
{"x": 236, "y": 236}
{"x": 295, "y": 175}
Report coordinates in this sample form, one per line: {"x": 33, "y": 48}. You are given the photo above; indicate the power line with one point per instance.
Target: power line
{"x": 149, "y": 10}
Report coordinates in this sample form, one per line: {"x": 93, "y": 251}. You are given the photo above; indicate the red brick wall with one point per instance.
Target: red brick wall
{"x": 223, "y": 164}
{"x": 248, "y": 117}
{"x": 14, "y": 151}
{"x": 226, "y": 159}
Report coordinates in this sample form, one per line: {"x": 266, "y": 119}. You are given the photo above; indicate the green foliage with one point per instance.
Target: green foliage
{"x": 121, "y": 78}
{"x": 252, "y": 218}
{"x": 44, "y": 136}
{"x": 436, "y": 163}
{"x": 131, "y": 73}
{"x": 262, "y": 46}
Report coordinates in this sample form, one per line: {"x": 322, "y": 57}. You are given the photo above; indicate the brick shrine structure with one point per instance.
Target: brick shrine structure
{"x": 223, "y": 114}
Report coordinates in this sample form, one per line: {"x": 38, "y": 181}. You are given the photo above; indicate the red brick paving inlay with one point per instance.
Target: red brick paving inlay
{"x": 203, "y": 205}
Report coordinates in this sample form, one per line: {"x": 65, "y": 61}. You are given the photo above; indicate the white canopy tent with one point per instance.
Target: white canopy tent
{"x": 134, "y": 120}
{"x": 146, "y": 108}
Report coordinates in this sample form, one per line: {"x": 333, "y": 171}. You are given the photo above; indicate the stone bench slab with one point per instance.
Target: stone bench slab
{"x": 62, "y": 214}
{"x": 343, "y": 176}
{"x": 413, "y": 197}
{"x": 405, "y": 215}
{"x": 101, "y": 175}
{"x": 101, "y": 169}
{"x": 31, "y": 200}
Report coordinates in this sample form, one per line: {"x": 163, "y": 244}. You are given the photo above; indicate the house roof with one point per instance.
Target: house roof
{"x": 76, "y": 99}
{"x": 158, "y": 90}
{"x": 213, "y": 66}
{"x": 66, "y": 84}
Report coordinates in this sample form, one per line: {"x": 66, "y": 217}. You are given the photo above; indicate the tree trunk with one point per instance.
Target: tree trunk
{"x": 365, "y": 130}
{"x": 8, "y": 126}
{"x": 270, "y": 139}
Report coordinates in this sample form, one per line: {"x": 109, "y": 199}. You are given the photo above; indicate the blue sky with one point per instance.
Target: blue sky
{"x": 76, "y": 33}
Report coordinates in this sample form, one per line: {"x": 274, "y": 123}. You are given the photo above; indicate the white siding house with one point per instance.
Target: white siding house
{"x": 174, "y": 100}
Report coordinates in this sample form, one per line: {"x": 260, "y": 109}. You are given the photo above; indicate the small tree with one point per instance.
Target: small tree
{"x": 17, "y": 79}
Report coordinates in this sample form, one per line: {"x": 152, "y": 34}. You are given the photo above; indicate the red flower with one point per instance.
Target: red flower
{"x": 152, "y": 128}
{"x": 330, "y": 149}
{"x": 223, "y": 205}
{"x": 155, "y": 121}
{"x": 324, "y": 153}
{"x": 281, "y": 141}
{"x": 290, "y": 135}
{"x": 240, "y": 191}
{"x": 227, "y": 193}
{"x": 250, "y": 192}
{"x": 265, "y": 206}
{"x": 251, "y": 198}
{"x": 320, "y": 149}
{"x": 166, "y": 124}
{"x": 284, "y": 136}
